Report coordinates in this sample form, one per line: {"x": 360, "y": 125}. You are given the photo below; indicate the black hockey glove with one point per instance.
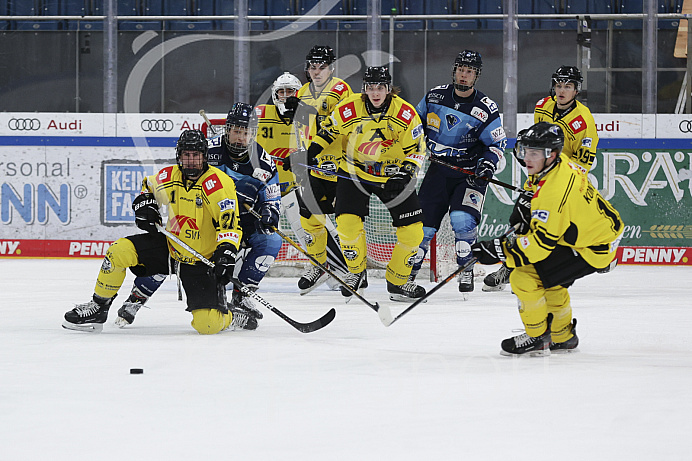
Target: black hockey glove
{"x": 313, "y": 151}
{"x": 485, "y": 169}
{"x": 521, "y": 214}
{"x": 489, "y": 251}
{"x": 247, "y": 190}
{"x": 302, "y": 111}
{"x": 398, "y": 181}
{"x": 270, "y": 219}
{"x": 224, "y": 262}
{"x": 146, "y": 210}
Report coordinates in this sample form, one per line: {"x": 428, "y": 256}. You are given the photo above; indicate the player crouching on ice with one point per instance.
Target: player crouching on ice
{"x": 566, "y": 231}
{"x": 202, "y": 210}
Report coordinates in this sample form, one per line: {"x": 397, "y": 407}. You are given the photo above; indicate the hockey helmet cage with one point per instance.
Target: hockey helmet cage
{"x": 239, "y": 116}
{"x": 542, "y": 135}
{"x": 285, "y": 81}
{"x": 192, "y": 140}
{"x": 566, "y": 74}
{"x": 322, "y": 54}
{"x": 471, "y": 59}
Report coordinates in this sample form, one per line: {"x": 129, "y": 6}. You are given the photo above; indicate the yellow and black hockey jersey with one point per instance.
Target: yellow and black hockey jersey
{"x": 581, "y": 138}
{"x": 335, "y": 91}
{"x": 567, "y": 210}
{"x": 376, "y": 145}
{"x": 277, "y": 136}
{"x": 203, "y": 216}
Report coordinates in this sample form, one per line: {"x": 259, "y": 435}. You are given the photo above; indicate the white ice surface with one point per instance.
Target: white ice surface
{"x": 430, "y": 387}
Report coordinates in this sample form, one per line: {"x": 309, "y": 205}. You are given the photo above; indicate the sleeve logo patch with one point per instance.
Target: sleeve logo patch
{"x": 417, "y": 131}
{"x": 524, "y": 242}
{"x": 541, "y": 215}
{"x": 212, "y": 184}
{"x": 578, "y": 124}
{"x": 260, "y": 111}
{"x": 541, "y": 102}
{"x": 586, "y": 142}
{"x": 473, "y": 199}
{"x": 490, "y": 104}
{"x": 339, "y": 88}
{"x": 406, "y": 114}
{"x": 498, "y": 134}
{"x": 480, "y": 114}
{"x": 347, "y": 111}
{"x": 226, "y": 204}
{"x": 261, "y": 174}
{"x": 165, "y": 174}
{"x": 232, "y": 236}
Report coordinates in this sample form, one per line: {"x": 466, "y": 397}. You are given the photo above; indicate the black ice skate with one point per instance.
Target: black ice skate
{"x": 466, "y": 283}
{"x": 311, "y": 279}
{"x": 567, "y": 346}
{"x": 88, "y": 316}
{"x": 409, "y": 291}
{"x": 497, "y": 280}
{"x": 242, "y": 320}
{"x": 242, "y": 303}
{"x": 528, "y": 345}
{"x": 357, "y": 282}
{"x": 129, "y": 309}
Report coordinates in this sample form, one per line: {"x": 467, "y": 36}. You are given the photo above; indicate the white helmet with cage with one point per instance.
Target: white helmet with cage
{"x": 285, "y": 81}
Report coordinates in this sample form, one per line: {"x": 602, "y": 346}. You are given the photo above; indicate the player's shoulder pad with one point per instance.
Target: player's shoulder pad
{"x": 405, "y": 112}
{"x": 340, "y": 87}
{"x": 489, "y": 104}
{"x": 543, "y": 101}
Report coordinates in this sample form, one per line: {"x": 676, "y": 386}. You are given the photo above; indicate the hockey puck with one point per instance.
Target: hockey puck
{"x": 136, "y": 371}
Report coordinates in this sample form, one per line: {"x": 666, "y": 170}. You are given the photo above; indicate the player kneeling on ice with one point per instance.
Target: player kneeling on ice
{"x": 257, "y": 186}
{"x": 383, "y": 150}
{"x": 566, "y": 231}
{"x": 202, "y": 210}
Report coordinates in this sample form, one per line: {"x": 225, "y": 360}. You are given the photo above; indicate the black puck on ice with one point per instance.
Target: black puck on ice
{"x": 136, "y": 371}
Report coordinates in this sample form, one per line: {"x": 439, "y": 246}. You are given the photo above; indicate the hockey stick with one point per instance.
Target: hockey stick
{"x": 384, "y": 313}
{"x": 209, "y": 124}
{"x": 333, "y": 173}
{"x": 473, "y": 173}
{"x": 442, "y": 283}
{"x": 302, "y": 327}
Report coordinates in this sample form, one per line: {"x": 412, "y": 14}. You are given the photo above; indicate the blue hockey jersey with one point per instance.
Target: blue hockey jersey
{"x": 259, "y": 168}
{"x": 462, "y": 130}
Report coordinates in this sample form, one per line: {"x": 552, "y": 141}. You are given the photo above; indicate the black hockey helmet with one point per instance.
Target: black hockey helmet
{"x": 192, "y": 140}
{"x": 566, "y": 74}
{"x": 239, "y": 116}
{"x": 470, "y": 59}
{"x": 542, "y": 135}
{"x": 377, "y": 74}
{"x": 322, "y": 54}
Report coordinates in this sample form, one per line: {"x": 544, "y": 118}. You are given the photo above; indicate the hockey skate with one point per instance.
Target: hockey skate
{"x": 242, "y": 303}
{"x": 357, "y": 282}
{"x": 497, "y": 280}
{"x": 242, "y": 320}
{"x": 567, "y": 346}
{"x": 89, "y": 316}
{"x": 129, "y": 309}
{"x": 409, "y": 291}
{"x": 311, "y": 279}
{"x": 466, "y": 284}
{"x": 524, "y": 344}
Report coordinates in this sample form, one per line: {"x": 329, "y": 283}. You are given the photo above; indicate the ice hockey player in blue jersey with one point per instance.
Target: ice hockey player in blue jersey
{"x": 257, "y": 185}
{"x": 462, "y": 128}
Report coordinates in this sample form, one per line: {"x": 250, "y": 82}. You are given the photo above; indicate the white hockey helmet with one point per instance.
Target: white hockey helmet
{"x": 285, "y": 81}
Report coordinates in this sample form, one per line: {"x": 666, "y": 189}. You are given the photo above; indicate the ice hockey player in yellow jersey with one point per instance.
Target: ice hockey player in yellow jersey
{"x": 383, "y": 137}
{"x": 566, "y": 230}
{"x": 575, "y": 119}
{"x": 202, "y": 212}
{"x": 579, "y": 128}
{"x": 314, "y": 102}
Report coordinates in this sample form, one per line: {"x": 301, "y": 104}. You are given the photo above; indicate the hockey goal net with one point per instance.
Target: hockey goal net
{"x": 380, "y": 234}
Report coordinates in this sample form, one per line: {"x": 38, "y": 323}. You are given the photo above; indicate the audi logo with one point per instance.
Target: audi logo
{"x": 24, "y": 124}
{"x": 685, "y": 126}
{"x": 157, "y": 125}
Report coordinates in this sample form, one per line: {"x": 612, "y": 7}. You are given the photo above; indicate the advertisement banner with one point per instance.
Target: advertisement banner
{"x": 68, "y": 179}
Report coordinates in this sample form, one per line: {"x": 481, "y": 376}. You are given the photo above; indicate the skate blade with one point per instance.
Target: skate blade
{"x": 350, "y": 296}
{"x": 488, "y": 288}
{"x": 88, "y": 327}
{"x": 403, "y": 299}
{"x": 465, "y": 296}
{"x": 565, "y": 351}
{"x": 121, "y": 322}
{"x": 319, "y": 282}
{"x": 539, "y": 353}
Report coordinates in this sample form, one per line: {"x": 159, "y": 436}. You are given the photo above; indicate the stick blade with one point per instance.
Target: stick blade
{"x": 385, "y": 314}
{"x": 315, "y": 325}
